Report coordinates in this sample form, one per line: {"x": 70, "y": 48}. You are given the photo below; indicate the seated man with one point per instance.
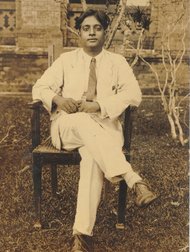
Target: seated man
{"x": 85, "y": 91}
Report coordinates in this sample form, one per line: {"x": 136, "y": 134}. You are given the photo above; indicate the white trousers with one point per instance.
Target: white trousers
{"x": 101, "y": 156}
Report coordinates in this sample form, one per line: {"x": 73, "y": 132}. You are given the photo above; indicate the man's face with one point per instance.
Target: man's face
{"x": 92, "y": 33}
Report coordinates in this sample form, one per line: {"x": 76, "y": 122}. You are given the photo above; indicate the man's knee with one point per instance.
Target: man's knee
{"x": 81, "y": 118}
{"x": 81, "y": 115}
{"x": 74, "y": 118}
{"x": 77, "y": 122}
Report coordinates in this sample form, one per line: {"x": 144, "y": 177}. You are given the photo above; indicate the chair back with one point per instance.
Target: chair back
{"x": 55, "y": 50}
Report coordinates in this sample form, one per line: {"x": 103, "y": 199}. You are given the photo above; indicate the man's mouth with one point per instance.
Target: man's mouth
{"x": 92, "y": 39}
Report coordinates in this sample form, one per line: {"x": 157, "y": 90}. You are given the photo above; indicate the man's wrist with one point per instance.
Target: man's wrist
{"x": 56, "y": 99}
{"x": 97, "y": 106}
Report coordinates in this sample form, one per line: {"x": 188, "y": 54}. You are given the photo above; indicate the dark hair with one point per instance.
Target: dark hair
{"x": 101, "y": 16}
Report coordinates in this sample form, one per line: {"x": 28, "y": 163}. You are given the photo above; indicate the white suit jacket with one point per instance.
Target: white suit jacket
{"x": 117, "y": 88}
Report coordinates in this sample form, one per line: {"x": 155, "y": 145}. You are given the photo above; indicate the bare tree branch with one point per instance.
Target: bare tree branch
{"x": 139, "y": 47}
{"x": 8, "y": 131}
{"x": 117, "y": 22}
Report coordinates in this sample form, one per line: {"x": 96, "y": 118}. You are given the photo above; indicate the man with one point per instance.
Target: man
{"x": 85, "y": 91}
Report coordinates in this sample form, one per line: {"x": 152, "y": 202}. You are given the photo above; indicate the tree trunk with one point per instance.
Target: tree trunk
{"x": 172, "y": 126}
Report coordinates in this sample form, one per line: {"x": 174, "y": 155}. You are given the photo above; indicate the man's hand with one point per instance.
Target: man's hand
{"x": 69, "y": 105}
{"x": 88, "y": 107}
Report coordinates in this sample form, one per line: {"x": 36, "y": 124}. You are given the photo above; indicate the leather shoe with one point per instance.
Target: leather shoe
{"x": 143, "y": 194}
{"x": 82, "y": 243}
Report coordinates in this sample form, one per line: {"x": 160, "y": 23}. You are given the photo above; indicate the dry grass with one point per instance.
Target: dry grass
{"x": 163, "y": 227}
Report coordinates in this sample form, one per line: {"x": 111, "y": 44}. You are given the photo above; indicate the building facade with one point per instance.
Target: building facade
{"x": 28, "y": 27}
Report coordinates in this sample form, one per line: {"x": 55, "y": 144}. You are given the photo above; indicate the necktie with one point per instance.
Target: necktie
{"x": 92, "y": 81}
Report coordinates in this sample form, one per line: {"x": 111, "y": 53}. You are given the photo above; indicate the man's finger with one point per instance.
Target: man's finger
{"x": 65, "y": 109}
{"x": 73, "y": 104}
{"x": 69, "y": 105}
{"x": 79, "y": 102}
{"x": 81, "y": 105}
{"x": 81, "y": 108}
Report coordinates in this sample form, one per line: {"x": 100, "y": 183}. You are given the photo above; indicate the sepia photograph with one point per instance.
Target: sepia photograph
{"x": 94, "y": 125}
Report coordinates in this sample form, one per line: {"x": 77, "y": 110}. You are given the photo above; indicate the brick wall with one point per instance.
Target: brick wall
{"x": 166, "y": 13}
{"x": 20, "y": 70}
{"x": 38, "y": 23}
{"x": 40, "y": 14}
{"x": 147, "y": 79}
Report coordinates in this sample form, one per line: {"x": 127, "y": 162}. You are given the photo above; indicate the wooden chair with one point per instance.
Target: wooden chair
{"x": 45, "y": 153}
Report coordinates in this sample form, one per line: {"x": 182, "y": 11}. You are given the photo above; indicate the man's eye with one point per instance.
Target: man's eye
{"x": 98, "y": 28}
{"x": 85, "y": 28}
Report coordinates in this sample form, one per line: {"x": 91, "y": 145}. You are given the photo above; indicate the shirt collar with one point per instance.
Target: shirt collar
{"x": 88, "y": 58}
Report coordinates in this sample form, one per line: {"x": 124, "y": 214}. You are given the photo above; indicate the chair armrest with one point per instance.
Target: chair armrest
{"x": 36, "y": 104}
{"x": 35, "y": 122}
{"x": 128, "y": 124}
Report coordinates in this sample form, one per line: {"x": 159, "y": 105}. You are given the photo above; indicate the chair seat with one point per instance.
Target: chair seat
{"x": 47, "y": 147}
{"x": 49, "y": 154}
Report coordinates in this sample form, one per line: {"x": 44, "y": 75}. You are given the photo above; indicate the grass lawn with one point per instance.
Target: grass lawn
{"x": 162, "y": 227}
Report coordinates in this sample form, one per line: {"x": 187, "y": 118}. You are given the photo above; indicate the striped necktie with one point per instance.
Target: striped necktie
{"x": 92, "y": 81}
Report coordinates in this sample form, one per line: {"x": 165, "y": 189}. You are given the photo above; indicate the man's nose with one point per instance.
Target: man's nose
{"x": 92, "y": 31}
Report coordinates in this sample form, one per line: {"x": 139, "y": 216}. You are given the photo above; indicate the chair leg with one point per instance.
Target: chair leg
{"x": 54, "y": 179}
{"x": 37, "y": 182}
{"x": 106, "y": 189}
{"x": 121, "y": 205}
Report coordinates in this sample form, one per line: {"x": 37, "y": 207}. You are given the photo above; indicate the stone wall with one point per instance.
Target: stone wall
{"x": 169, "y": 17}
{"x": 20, "y": 70}
{"x": 148, "y": 81}
{"x": 38, "y": 23}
